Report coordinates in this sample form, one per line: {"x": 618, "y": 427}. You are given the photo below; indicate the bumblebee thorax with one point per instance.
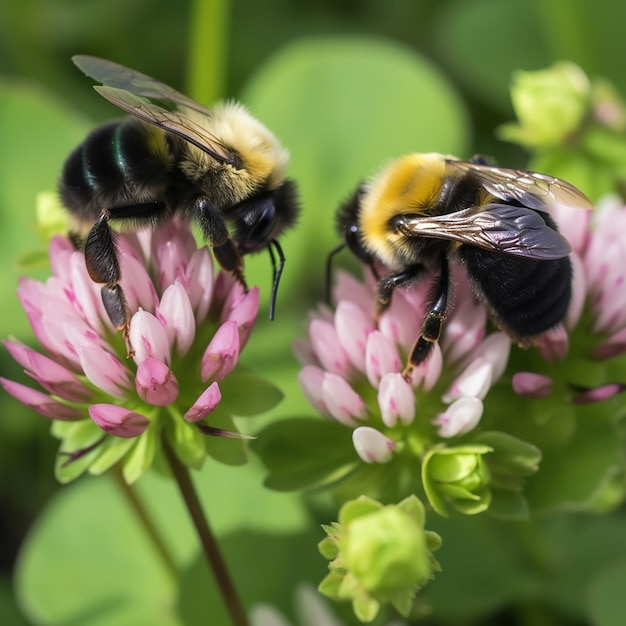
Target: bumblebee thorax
{"x": 411, "y": 184}
{"x": 260, "y": 159}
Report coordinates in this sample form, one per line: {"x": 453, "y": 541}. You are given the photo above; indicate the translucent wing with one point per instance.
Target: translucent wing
{"x": 533, "y": 190}
{"x": 154, "y": 102}
{"x": 518, "y": 231}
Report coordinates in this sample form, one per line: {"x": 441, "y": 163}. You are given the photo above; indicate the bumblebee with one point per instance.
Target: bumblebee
{"x": 219, "y": 168}
{"x": 424, "y": 210}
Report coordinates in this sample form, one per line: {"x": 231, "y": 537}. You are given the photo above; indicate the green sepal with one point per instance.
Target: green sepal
{"x": 109, "y": 453}
{"x": 357, "y": 508}
{"x": 186, "y": 440}
{"x": 141, "y": 454}
{"x": 75, "y": 436}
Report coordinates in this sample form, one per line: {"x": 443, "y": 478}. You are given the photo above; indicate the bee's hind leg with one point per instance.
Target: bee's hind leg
{"x": 433, "y": 322}
{"x": 103, "y": 267}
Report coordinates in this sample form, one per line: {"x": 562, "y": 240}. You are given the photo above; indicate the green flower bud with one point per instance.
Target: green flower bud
{"x": 458, "y": 476}
{"x": 550, "y": 105}
{"x": 386, "y": 551}
{"x": 380, "y": 554}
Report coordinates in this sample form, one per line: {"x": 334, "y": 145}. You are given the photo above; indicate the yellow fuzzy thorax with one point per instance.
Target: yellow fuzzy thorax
{"x": 410, "y": 184}
{"x": 263, "y": 158}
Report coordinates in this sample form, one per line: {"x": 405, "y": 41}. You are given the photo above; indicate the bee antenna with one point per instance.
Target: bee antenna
{"x": 277, "y": 272}
{"x": 329, "y": 268}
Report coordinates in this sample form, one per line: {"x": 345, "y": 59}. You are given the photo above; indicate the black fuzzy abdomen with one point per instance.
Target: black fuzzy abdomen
{"x": 116, "y": 165}
{"x": 527, "y": 297}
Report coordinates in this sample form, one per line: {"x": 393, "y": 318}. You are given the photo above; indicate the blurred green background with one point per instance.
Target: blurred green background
{"x": 345, "y": 84}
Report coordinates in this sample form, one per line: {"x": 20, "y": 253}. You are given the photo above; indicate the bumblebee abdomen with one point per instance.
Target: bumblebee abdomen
{"x": 121, "y": 163}
{"x": 527, "y": 297}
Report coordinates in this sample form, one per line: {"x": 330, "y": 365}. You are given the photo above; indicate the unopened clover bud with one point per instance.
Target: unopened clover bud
{"x": 386, "y": 551}
{"x": 550, "y": 105}
{"x": 379, "y": 554}
{"x": 457, "y": 476}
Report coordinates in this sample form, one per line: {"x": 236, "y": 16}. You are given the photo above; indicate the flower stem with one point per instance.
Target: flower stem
{"x": 208, "y": 37}
{"x": 207, "y": 539}
{"x": 138, "y": 506}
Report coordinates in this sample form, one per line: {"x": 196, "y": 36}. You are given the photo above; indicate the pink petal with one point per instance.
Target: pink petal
{"x": 342, "y": 402}
{"x": 465, "y": 328}
{"x": 172, "y": 258}
{"x": 137, "y": 284}
{"x": 60, "y": 250}
{"x": 200, "y": 280}
{"x": 66, "y": 334}
{"x": 573, "y": 225}
{"x": 474, "y": 381}
{"x": 579, "y": 292}
{"x": 396, "y": 400}
{"x": 118, "y": 421}
{"x": 554, "y": 344}
{"x": 347, "y": 287}
{"x": 205, "y": 404}
{"x": 427, "y": 374}
{"x": 612, "y": 347}
{"x": 495, "y": 349}
{"x": 155, "y": 382}
{"x": 371, "y": 445}
{"x": 104, "y": 370}
{"x": 220, "y": 357}
{"x": 381, "y": 357}
{"x": 176, "y": 313}
{"x": 598, "y": 394}
{"x": 460, "y": 417}
{"x": 53, "y": 377}
{"x": 327, "y": 348}
{"x": 353, "y": 327}
{"x": 40, "y": 402}
{"x": 244, "y": 312}
{"x": 311, "y": 379}
{"x": 401, "y": 321}
{"x": 532, "y": 385}
{"x": 87, "y": 298}
{"x": 303, "y": 352}
{"x": 147, "y": 337}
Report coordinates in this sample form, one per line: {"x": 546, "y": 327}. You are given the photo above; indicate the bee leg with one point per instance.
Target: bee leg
{"x": 432, "y": 324}
{"x": 388, "y": 283}
{"x": 103, "y": 267}
{"x": 216, "y": 233}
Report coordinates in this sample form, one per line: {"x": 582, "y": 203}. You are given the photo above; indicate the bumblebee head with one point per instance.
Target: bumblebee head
{"x": 348, "y": 226}
{"x": 260, "y": 218}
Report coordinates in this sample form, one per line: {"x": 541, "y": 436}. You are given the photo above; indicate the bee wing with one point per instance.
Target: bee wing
{"x": 154, "y": 102}
{"x": 531, "y": 189}
{"x": 514, "y": 230}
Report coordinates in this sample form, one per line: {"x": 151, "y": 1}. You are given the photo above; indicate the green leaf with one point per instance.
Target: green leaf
{"x": 304, "y": 452}
{"x": 573, "y": 475}
{"x": 247, "y": 395}
{"x": 87, "y": 561}
{"x": 606, "y": 599}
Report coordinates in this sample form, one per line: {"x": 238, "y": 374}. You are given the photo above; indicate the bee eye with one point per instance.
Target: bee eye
{"x": 255, "y": 224}
{"x": 355, "y": 245}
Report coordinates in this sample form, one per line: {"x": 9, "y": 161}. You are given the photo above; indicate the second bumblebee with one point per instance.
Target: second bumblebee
{"x": 426, "y": 209}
